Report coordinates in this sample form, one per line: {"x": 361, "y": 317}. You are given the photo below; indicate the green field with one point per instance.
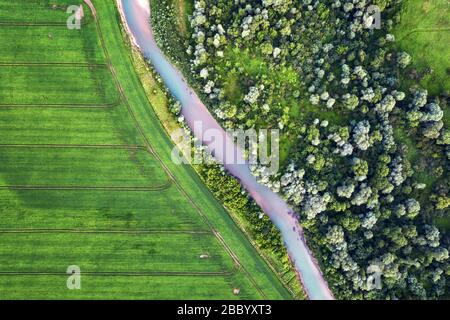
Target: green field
{"x": 121, "y": 253}
{"x": 424, "y": 33}
{"x": 51, "y": 12}
{"x": 72, "y": 85}
{"x": 86, "y": 176}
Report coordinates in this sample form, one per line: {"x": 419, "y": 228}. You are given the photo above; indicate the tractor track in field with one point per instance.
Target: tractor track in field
{"x": 121, "y": 273}
{"x": 60, "y": 105}
{"x": 103, "y": 231}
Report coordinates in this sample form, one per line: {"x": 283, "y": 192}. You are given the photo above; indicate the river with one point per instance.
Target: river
{"x": 136, "y": 14}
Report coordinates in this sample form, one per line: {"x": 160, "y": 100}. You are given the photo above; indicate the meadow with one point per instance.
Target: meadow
{"x": 86, "y": 176}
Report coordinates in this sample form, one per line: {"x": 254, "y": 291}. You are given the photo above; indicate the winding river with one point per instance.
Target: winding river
{"x": 136, "y": 16}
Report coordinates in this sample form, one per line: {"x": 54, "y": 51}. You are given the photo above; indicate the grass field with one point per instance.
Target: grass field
{"x": 87, "y": 166}
{"x": 73, "y": 85}
{"x": 443, "y": 222}
{"x": 37, "y": 12}
{"x": 86, "y": 177}
{"x": 50, "y": 44}
{"x": 177, "y": 24}
{"x": 122, "y": 253}
{"x": 132, "y": 287}
{"x": 44, "y": 124}
{"x": 108, "y": 211}
{"x": 424, "y": 32}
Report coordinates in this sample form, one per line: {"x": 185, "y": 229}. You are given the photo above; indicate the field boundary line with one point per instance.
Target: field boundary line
{"x": 91, "y": 188}
{"x": 139, "y": 127}
{"x": 64, "y": 105}
{"x": 76, "y": 146}
{"x": 267, "y": 259}
{"x": 103, "y": 231}
{"x": 54, "y": 64}
{"x": 420, "y": 30}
